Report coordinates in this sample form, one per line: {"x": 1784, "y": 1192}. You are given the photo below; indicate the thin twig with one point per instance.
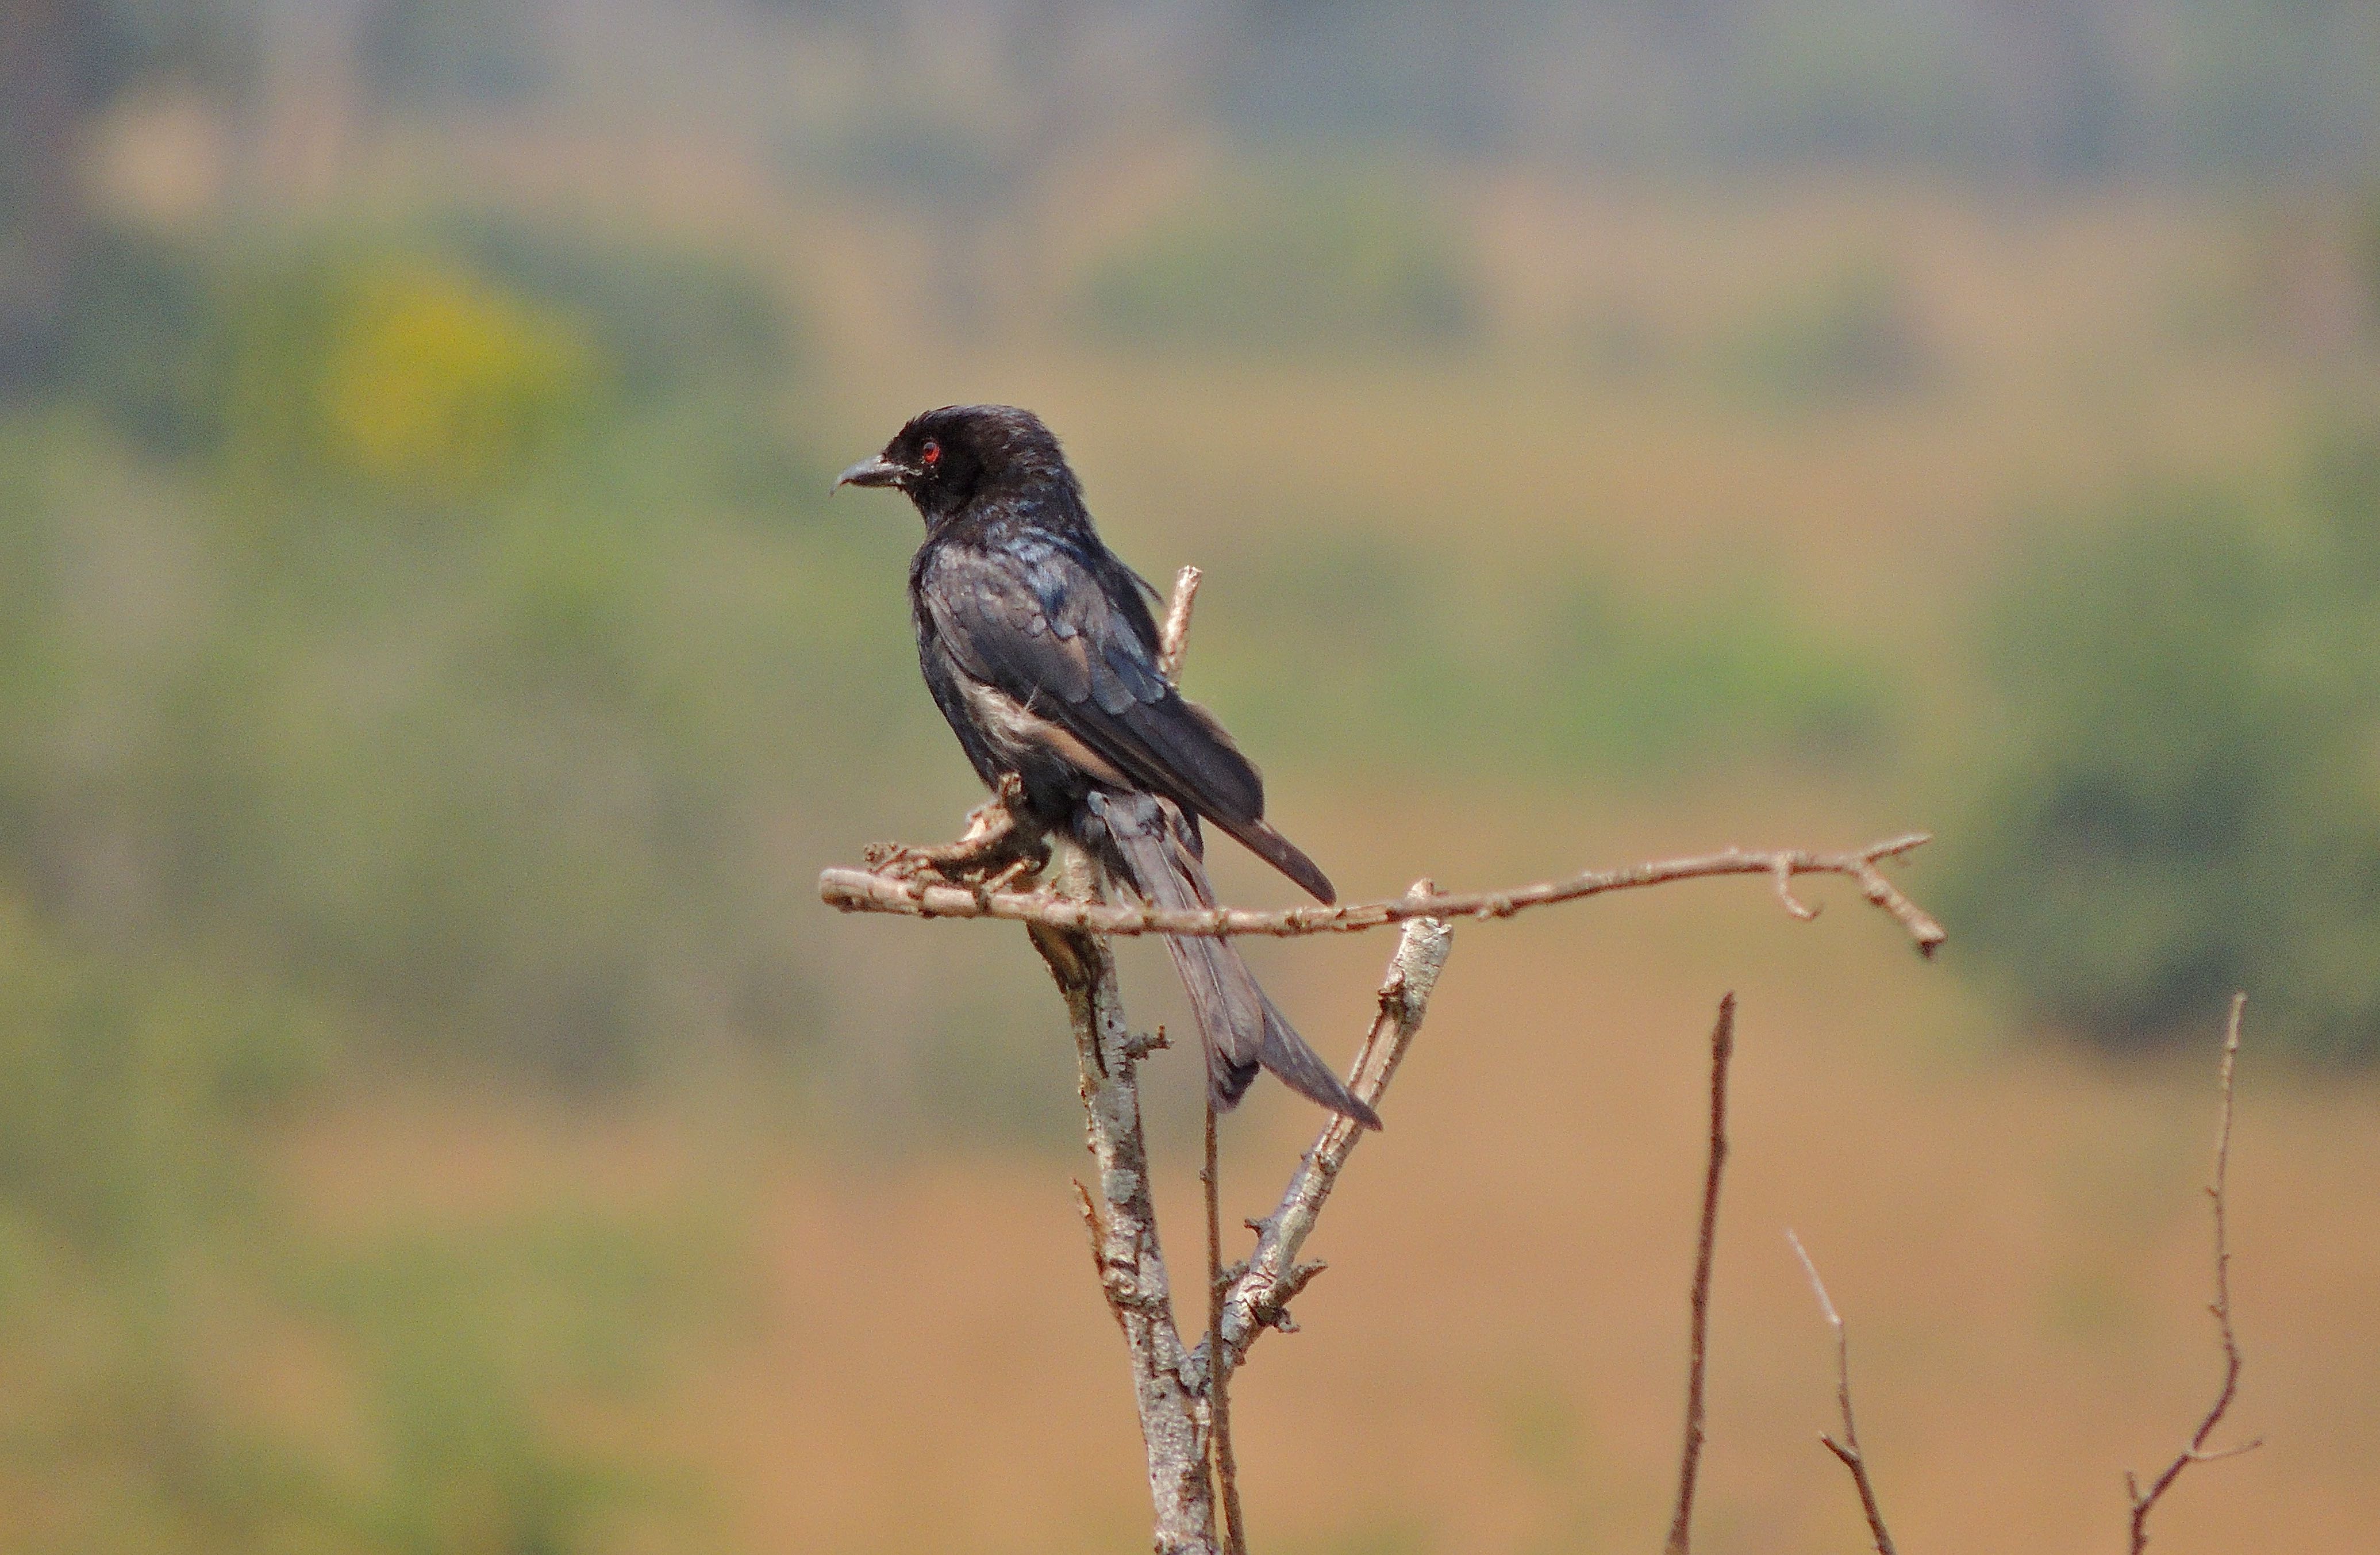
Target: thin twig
{"x": 2144, "y": 1501}
{"x": 865, "y": 891}
{"x": 1259, "y": 1298}
{"x": 1218, "y": 1382}
{"x": 1174, "y": 640}
{"x": 1847, "y": 1449}
{"x": 1691, "y": 1455}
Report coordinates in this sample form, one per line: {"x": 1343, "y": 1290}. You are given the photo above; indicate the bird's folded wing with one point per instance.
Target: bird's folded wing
{"x": 1033, "y": 621}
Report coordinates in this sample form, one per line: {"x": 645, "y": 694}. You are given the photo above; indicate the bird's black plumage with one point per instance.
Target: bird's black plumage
{"x": 1039, "y": 648}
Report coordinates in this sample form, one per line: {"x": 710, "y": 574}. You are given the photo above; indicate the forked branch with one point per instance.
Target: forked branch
{"x": 2144, "y": 1501}
{"x": 1170, "y": 1384}
{"x": 1259, "y": 1297}
{"x": 1847, "y": 1447}
{"x": 1181, "y": 1393}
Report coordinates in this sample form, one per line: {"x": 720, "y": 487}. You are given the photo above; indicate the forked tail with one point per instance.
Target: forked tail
{"x": 1149, "y": 852}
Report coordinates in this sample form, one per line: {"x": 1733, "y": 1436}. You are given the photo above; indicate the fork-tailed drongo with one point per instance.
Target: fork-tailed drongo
{"x": 1039, "y": 647}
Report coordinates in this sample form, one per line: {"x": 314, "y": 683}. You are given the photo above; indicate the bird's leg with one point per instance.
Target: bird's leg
{"x": 997, "y": 849}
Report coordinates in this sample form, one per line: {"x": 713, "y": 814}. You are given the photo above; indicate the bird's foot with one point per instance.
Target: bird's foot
{"x": 997, "y": 851}
{"x": 996, "y": 867}
{"x": 1018, "y": 871}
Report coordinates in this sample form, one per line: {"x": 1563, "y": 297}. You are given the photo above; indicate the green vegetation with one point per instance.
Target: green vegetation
{"x": 346, "y": 604}
{"x": 1855, "y": 335}
{"x": 408, "y": 629}
{"x": 1572, "y": 680}
{"x": 152, "y": 1286}
{"x": 2185, "y": 795}
{"x": 1309, "y": 262}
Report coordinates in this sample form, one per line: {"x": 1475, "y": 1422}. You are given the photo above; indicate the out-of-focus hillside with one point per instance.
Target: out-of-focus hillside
{"x": 440, "y": 1117}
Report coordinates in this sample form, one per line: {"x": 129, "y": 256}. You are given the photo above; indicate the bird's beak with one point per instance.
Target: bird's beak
{"x": 873, "y": 471}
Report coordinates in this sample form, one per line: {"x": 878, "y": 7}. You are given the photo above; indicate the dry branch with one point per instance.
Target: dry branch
{"x": 1690, "y": 1456}
{"x": 866, "y": 890}
{"x": 1170, "y": 1382}
{"x": 1124, "y": 1248}
{"x": 1259, "y": 1297}
{"x": 1848, "y": 1447}
{"x": 1181, "y": 1398}
{"x": 1219, "y": 1387}
{"x": 2144, "y": 1501}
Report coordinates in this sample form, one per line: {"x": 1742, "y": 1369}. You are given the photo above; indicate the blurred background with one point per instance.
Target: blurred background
{"x": 436, "y": 1115}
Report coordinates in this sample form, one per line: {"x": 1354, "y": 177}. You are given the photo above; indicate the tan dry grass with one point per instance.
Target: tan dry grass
{"x": 1493, "y": 1361}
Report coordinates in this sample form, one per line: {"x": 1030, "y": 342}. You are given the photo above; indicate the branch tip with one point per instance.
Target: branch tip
{"x": 1274, "y": 1275}
{"x": 2196, "y": 1450}
{"x": 1848, "y": 1447}
{"x": 1782, "y": 869}
{"x": 1722, "y": 1046}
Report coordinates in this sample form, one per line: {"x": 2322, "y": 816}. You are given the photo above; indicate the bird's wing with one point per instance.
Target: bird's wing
{"x": 1030, "y": 619}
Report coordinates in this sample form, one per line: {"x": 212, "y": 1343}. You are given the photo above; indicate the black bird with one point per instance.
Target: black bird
{"x": 1039, "y": 647}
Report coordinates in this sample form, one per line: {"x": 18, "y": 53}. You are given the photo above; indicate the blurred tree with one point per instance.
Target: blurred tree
{"x": 400, "y": 368}
{"x": 469, "y": 584}
{"x": 152, "y": 1274}
{"x": 61, "y": 63}
{"x": 2185, "y": 796}
{"x": 1856, "y": 334}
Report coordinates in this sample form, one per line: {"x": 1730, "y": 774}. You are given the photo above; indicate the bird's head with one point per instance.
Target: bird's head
{"x": 944, "y": 459}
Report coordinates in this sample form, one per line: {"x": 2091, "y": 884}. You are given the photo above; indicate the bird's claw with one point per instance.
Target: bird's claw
{"x": 995, "y": 852}
{"x": 900, "y": 862}
{"x": 1018, "y": 869}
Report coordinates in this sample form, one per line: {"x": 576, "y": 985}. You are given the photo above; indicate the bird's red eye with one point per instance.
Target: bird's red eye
{"x": 931, "y": 455}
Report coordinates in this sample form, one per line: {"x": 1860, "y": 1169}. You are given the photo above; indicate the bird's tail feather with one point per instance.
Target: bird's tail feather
{"x": 1149, "y": 852}
{"x": 1258, "y": 837}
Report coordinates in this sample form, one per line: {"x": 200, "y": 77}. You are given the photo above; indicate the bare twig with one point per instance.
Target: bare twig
{"x": 1218, "y": 1382}
{"x": 1690, "y": 1456}
{"x": 1259, "y": 1298}
{"x": 1170, "y": 1382}
{"x": 1172, "y": 645}
{"x": 1848, "y": 1447}
{"x": 863, "y": 890}
{"x": 2144, "y": 1501}
{"x": 1121, "y": 1217}
{"x": 1175, "y": 638}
